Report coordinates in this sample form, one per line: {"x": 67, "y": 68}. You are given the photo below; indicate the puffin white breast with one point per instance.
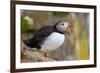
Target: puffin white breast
{"x": 53, "y": 41}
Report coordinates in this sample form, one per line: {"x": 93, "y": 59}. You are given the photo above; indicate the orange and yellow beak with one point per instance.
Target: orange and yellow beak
{"x": 69, "y": 28}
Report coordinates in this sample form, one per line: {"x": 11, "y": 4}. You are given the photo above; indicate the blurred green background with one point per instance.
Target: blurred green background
{"x": 75, "y": 47}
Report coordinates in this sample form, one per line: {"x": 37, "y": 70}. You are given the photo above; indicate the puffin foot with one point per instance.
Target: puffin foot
{"x": 45, "y": 54}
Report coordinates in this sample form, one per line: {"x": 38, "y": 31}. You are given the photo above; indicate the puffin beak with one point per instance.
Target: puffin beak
{"x": 69, "y": 28}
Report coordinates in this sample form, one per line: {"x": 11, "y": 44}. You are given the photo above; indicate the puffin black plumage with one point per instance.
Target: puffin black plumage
{"x": 49, "y": 38}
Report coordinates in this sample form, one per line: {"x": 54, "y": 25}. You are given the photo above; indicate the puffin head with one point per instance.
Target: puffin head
{"x": 64, "y": 26}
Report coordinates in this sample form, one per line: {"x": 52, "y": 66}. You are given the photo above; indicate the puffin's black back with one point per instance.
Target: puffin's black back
{"x": 40, "y": 37}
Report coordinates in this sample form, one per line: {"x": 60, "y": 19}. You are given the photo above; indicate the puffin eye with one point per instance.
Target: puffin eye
{"x": 62, "y": 24}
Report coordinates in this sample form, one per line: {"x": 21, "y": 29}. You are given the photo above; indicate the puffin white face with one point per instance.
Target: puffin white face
{"x": 62, "y": 26}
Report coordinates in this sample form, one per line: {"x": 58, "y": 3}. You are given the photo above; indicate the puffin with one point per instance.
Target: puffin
{"x": 49, "y": 38}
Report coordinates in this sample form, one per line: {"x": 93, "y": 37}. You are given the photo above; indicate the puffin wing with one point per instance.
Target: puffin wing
{"x": 43, "y": 33}
{"x": 40, "y": 37}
